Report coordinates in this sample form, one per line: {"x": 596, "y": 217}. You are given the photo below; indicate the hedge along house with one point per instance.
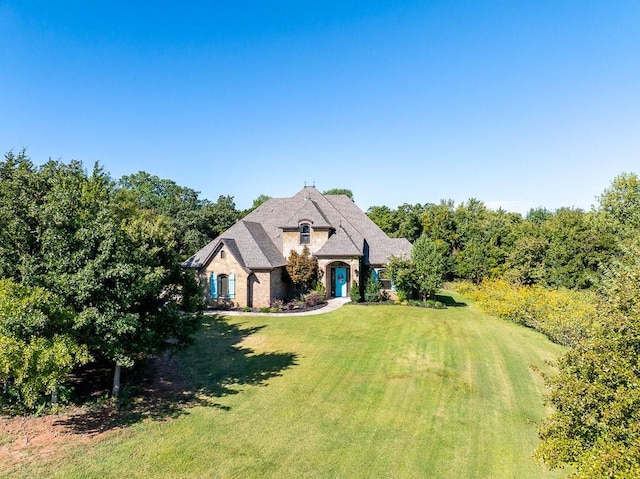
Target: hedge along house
{"x": 245, "y": 265}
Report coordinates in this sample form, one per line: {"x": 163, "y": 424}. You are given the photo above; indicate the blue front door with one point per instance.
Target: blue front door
{"x": 341, "y": 282}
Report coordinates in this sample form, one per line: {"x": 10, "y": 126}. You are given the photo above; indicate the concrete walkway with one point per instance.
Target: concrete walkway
{"x": 332, "y": 305}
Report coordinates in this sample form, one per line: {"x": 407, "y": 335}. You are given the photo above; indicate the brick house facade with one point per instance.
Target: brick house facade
{"x": 245, "y": 265}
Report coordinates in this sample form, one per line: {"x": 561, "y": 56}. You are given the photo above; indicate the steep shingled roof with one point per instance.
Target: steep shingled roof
{"x": 340, "y": 244}
{"x": 309, "y": 211}
{"x": 256, "y": 240}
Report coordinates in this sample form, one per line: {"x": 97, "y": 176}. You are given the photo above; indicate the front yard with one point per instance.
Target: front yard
{"x": 379, "y": 391}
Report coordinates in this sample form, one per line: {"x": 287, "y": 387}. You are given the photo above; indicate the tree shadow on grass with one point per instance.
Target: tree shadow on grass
{"x": 449, "y": 301}
{"x": 166, "y": 387}
{"x": 218, "y": 364}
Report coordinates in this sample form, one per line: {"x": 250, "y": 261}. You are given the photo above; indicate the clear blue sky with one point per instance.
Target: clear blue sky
{"x": 518, "y": 104}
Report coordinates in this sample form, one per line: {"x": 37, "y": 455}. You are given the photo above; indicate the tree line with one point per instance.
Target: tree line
{"x": 562, "y": 248}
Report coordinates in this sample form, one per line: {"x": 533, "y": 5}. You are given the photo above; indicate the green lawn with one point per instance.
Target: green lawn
{"x": 366, "y": 391}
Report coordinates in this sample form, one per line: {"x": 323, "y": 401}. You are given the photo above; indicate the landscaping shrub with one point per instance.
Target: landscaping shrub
{"x": 429, "y": 303}
{"x": 372, "y": 292}
{"x": 432, "y": 303}
{"x": 354, "y": 294}
{"x": 277, "y": 305}
{"x": 312, "y": 299}
{"x": 291, "y": 305}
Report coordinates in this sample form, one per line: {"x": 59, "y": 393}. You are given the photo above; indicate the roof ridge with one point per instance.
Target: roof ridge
{"x": 349, "y": 236}
{"x": 324, "y": 217}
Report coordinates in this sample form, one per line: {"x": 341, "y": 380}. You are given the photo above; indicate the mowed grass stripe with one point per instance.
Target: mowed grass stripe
{"x": 382, "y": 391}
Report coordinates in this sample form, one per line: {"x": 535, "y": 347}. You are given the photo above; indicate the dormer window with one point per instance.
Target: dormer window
{"x": 305, "y": 233}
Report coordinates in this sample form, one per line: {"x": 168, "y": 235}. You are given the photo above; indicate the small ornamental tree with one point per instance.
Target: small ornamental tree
{"x": 372, "y": 289}
{"x": 430, "y": 266}
{"x": 354, "y": 294}
{"x": 402, "y": 272}
{"x": 302, "y": 269}
{"x": 424, "y": 272}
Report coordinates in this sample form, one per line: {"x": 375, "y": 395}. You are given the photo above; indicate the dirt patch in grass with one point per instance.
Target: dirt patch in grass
{"x": 157, "y": 391}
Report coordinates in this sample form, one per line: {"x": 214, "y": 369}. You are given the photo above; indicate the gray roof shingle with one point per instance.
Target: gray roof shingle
{"x": 256, "y": 240}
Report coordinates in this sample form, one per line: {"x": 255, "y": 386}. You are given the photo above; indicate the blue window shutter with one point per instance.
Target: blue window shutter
{"x": 213, "y": 284}
{"x": 376, "y": 276}
{"x": 232, "y": 286}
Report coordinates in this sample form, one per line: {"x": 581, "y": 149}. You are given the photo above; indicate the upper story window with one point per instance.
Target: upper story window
{"x": 305, "y": 233}
{"x": 223, "y": 254}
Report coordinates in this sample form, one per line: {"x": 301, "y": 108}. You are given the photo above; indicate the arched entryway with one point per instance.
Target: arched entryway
{"x": 339, "y": 275}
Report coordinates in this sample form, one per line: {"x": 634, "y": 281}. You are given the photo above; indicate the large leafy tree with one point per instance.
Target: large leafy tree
{"x": 621, "y": 201}
{"x": 195, "y": 221}
{"x": 37, "y": 348}
{"x": 484, "y": 239}
{"x": 386, "y": 219}
{"x": 595, "y": 426}
{"x": 20, "y": 193}
{"x": 403, "y": 222}
{"x": 113, "y": 261}
{"x": 575, "y": 249}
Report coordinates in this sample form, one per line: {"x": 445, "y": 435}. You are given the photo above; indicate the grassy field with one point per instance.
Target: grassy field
{"x": 365, "y": 391}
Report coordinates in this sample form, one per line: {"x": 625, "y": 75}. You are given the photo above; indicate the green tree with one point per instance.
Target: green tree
{"x": 575, "y": 249}
{"x": 339, "y": 191}
{"x": 220, "y": 215}
{"x": 20, "y": 193}
{"x": 111, "y": 260}
{"x": 195, "y": 221}
{"x": 595, "y": 426}
{"x": 410, "y": 221}
{"x": 438, "y": 223}
{"x": 402, "y": 272}
{"x": 484, "y": 238}
{"x": 37, "y": 348}
{"x": 525, "y": 261}
{"x": 403, "y": 222}
{"x": 385, "y": 218}
{"x": 621, "y": 201}
{"x": 429, "y": 261}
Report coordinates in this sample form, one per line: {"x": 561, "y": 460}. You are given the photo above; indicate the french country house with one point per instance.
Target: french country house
{"x": 245, "y": 265}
